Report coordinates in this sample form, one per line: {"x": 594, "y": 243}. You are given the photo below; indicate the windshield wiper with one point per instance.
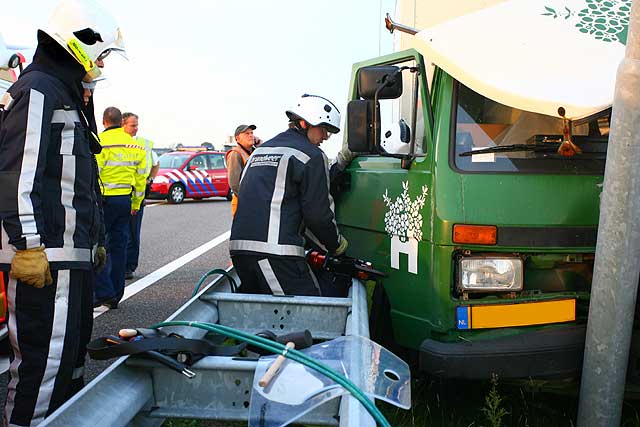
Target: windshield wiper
{"x": 545, "y": 148}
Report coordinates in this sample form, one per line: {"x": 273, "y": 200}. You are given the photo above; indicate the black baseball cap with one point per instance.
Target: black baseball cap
{"x": 244, "y": 128}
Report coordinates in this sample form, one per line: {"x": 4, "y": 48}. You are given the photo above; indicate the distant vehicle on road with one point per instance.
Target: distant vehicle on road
{"x": 160, "y": 151}
{"x": 187, "y": 174}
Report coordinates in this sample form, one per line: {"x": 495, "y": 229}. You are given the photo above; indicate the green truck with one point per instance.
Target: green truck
{"x": 483, "y": 216}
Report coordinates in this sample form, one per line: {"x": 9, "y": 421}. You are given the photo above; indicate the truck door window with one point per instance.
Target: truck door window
{"x": 482, "y": 123}
{"x": 392, "y": 110}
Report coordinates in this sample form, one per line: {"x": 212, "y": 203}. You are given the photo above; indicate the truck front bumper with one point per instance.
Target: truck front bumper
{"x": 547, "y": 353}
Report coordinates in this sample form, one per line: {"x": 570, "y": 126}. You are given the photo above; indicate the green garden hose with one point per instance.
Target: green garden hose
{"x": 292, "y": 354}
{"x": 232, "y": 282}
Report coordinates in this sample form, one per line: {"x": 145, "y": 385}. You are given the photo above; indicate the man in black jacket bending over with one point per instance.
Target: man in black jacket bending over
{"x": 284, "y": 201}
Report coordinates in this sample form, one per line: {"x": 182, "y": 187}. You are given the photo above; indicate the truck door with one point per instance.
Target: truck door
{"x": 384, "y": 207}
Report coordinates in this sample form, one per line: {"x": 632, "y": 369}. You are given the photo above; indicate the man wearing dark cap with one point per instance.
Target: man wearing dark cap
{"x": 236, "y": 159}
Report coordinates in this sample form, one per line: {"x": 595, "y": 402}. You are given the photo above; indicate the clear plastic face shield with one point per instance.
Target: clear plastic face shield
{"x": 297, "y": 389}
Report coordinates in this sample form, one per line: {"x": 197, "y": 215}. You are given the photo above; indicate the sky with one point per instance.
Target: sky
{"x": 199, "y": 68}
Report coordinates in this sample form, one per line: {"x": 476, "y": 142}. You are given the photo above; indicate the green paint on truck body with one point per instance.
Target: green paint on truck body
{"x": 423, "y": 305}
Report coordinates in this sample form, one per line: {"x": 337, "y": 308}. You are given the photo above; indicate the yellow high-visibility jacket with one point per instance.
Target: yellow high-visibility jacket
{"x": 122, "y": 162}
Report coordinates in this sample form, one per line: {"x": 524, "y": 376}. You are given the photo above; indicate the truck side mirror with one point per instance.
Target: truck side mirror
{"x": 370, "y": 79}
{"x": 360, "y": 122}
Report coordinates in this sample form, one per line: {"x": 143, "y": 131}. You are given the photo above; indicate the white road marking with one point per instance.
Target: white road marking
{"x": 165, "y": 270}
{"x": 151, "y": 205}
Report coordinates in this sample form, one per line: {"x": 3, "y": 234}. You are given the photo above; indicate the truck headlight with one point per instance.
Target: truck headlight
{"x": 490, "y": 274}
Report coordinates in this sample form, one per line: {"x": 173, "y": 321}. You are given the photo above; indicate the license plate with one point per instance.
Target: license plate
{"x": 509, "y": 315}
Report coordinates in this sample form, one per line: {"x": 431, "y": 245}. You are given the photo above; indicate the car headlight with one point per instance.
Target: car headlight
{"x": 490, "y": 274}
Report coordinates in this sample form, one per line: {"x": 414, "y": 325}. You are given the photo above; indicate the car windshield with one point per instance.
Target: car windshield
{"x": 492, "y": 137}
{"x": 172, "y": 161}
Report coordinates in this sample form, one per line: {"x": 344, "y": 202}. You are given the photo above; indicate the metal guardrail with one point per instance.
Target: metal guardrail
{"x": 141, "y": 393}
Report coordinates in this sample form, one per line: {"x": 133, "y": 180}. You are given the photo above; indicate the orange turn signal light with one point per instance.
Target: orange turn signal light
{"x": 475, "y": 234}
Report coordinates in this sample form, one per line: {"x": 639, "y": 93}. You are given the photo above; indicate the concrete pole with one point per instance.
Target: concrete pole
{"x": 617, "y": 265}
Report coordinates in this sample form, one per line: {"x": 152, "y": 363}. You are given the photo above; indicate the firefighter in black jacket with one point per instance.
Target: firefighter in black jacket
{"x": 50, "y": 217}
{"x": 285, "y": 201}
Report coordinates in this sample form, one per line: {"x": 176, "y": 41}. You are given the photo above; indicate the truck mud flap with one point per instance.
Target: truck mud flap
{"x": 548, "y": 353}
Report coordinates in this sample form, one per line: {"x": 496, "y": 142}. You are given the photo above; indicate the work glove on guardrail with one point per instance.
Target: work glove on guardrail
{"x": 31, "y": 267}
{"x": 342, "y": 247}
{"x": 99, "y": 259}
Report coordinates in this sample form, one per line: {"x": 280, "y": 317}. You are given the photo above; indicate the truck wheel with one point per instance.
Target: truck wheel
{"x": 229, "y": 195}
{"x": 176, "y": 194}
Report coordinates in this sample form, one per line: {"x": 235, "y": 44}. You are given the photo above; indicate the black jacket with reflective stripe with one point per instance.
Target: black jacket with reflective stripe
{"x": 48, "y": 179}
{"x": 284, "y": 194}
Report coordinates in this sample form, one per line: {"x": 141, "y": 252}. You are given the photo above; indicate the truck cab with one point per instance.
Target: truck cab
{"x": 485, "y": 227}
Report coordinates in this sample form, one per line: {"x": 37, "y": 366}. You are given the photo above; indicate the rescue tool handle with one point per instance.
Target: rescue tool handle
{"x": 275, "y": 366}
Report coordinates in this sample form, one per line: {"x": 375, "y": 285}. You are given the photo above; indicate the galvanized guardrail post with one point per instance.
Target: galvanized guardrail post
{"x": 617, "y": 265}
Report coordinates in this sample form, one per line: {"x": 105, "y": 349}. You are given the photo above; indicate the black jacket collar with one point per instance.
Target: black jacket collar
{"x": 53, "y": 59}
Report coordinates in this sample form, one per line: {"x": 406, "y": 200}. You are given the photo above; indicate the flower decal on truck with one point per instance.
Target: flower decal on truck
{"x": 403, "y": 224}
{"x": 403, "y": 218}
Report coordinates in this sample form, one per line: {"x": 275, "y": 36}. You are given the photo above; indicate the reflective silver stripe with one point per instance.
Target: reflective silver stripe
{"x": 276, "y": 200}
{"x": 68, "y": 254}
{"x": 17, "y": 351}
{"x": 331, "y": 203}
{"x": 140, "y": 194}
{"x": 69, "y": 118}
{"x": 285, "y": 151}
{"x": 28, "y": 169}
{"x": 68, "y": 177}
{"x": 141, "y": 172}
{"x": 314, "y": 239}
{"x": 315, "y": 280}
{"x": 116, "y": 186}
{"x": 65, "y": 116}
{"x": 270, "y": 277}
{"x": 119, "y": 163}
{"x": 7, "y": 252}
{"x": 279, "y": 186}
{"x": 56, "y": 343}
{"x": 266, "y": 248}
{"x": 148, "y": 148}
{"x": 78, "y": 373}
{"x": 67, "y": 185}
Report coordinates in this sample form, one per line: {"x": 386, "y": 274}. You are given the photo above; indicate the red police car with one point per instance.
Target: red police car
{"x": 189, "y": 174}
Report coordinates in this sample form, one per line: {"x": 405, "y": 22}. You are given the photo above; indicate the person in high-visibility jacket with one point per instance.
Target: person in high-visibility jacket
{"x": 130, "y": 126}
{"x": 122, "y": 162}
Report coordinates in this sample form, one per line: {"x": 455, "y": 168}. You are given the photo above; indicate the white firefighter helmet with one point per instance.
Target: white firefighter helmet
{"x": 317, "y": 111}
{"x": 395, "y": 139}
{"x": 87, "y": 31}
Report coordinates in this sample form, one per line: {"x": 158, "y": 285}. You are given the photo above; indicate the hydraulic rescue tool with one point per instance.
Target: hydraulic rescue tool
{"x": 344, "y": 266}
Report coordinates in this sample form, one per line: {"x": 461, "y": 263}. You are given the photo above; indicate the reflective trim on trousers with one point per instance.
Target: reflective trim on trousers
{"x": 270, "y": 277}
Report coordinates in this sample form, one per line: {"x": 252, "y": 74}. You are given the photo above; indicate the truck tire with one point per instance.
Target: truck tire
{"x": 176, "y": 194}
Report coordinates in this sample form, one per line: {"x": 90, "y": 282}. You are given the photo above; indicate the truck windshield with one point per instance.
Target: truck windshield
{"x": 172, "y": 161}
{"x": 510, "y": 140}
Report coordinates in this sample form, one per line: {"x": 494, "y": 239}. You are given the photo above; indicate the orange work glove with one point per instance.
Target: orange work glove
{"x": 31, "y": 267}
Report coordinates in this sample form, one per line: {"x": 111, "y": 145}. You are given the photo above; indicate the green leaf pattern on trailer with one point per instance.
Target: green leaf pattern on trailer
{"x": 606, "y": 20}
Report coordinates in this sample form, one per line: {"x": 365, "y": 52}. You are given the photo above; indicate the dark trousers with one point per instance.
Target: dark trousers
{"x": 133, "y": 248}
{"x": 263, "y": 274}
{"x": 49, "y": 329}
{"x": 110, "y": 282}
